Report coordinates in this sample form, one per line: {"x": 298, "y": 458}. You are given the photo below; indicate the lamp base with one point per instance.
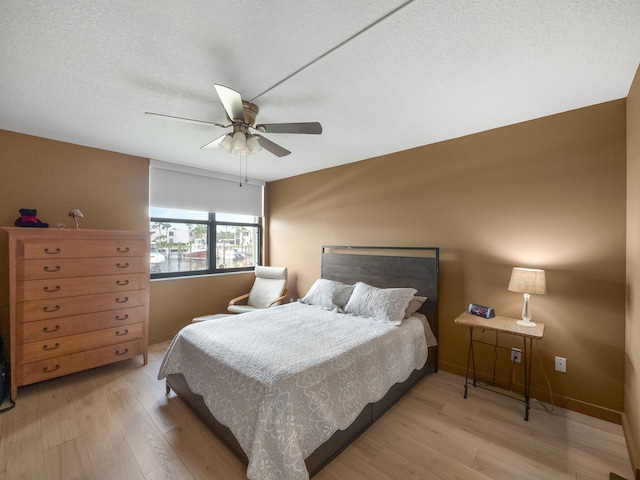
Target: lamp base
{"x": 526, "y": 323}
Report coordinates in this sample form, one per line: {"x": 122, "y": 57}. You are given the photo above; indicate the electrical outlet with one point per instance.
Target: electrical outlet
{"x": 516, "y": 354}
{"x": 561, "y": 364}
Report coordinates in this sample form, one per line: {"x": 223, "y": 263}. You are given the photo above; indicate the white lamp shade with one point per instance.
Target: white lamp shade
{"x": 239, "y": 142}
{"x": 242, "y": 152}
{"x": 528, "y": 280}
{"x": 226, "y": 143}
{"x": 252, "y": 145}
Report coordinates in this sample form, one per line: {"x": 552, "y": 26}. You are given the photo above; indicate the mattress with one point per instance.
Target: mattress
{"x": 286, "y": 378}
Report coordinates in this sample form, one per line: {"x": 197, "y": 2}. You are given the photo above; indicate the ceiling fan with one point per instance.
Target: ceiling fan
{"x": 242, "y": 116}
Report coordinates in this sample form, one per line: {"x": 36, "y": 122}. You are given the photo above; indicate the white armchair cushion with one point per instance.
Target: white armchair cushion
{"x": 269, "y": 285}
{"x": 271, "y": 272}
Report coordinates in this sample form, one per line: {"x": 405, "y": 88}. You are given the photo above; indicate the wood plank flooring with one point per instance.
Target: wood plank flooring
{"x": 115, "y": 422}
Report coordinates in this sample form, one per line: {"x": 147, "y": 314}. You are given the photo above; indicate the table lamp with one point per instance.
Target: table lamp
{"x": 527, "y": 281}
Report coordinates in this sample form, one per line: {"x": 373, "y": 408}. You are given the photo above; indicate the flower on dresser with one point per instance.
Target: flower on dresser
{"x": 76, "y": 214}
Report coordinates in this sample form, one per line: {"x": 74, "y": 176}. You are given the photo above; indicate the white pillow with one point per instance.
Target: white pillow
{"x": 414, "y": 305}
{"x": 328, "y": 294}
{"x": 385, "y": 304}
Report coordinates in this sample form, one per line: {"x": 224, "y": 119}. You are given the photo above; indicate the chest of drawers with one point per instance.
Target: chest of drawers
{"x": 78, "y": 299}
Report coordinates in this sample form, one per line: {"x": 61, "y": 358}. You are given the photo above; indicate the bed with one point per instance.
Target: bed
{"x": 259, "y": 398}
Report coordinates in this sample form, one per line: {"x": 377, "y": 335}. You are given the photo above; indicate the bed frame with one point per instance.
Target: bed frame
{"x": 383, "y": 267}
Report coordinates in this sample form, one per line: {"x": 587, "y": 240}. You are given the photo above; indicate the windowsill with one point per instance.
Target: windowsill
{"x": 204, "y": 275}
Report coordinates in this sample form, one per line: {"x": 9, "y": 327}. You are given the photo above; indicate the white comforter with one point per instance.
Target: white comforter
{"x": 286, "y": 378}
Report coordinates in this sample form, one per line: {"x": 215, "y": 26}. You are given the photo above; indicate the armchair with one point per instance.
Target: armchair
{"x": 268, "y": 290}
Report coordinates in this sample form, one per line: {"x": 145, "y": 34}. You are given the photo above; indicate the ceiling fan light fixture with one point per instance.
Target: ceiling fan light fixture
{"x": 239, "y": 142}
{"x": 252, "y": 145}
{"x": 226, "y": 143}
{"x": 242, "y": 116}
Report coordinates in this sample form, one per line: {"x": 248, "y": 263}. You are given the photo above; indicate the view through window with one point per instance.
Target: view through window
{"x": 185, "y": 242}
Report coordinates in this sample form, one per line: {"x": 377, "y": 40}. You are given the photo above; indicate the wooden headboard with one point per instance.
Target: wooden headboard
{"x": 388, "y": 267}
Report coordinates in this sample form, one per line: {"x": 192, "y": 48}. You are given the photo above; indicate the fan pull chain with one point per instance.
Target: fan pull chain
{"x": 246, "y": 173}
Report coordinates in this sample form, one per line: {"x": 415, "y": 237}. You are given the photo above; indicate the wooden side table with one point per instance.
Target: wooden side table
{"x": 508, "y": 326}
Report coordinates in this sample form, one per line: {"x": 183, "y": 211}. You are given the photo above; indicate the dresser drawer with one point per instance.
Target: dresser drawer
{"x": 78, "y": 248}
{"x": 80, "y": 267}
{"x": 74, "y": 286}
{"x": 60, "y": 346}
{"x": 45, "y": 369}
{"x": 60, "y": 327}
{"x": 63, "y": 307}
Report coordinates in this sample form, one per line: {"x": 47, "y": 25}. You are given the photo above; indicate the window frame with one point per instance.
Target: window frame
{"x": 212, "y": 223}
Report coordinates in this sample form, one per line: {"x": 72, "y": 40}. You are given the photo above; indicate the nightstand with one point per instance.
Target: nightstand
{"x": 501, "y": 325}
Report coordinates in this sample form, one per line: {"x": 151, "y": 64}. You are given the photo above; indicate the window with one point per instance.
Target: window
{"x": 186, "y": 242}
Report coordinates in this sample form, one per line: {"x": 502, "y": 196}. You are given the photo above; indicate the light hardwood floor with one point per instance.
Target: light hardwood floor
{"x": 115, "y": 422}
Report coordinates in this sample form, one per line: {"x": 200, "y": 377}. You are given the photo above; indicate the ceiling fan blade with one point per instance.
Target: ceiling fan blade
{"x": 186, "y": 119}
{"x": 274, "y": 148}
{"x": 232, "y": 102}
{"x": 214, "y": 143}
{"x": 306, "y": 127}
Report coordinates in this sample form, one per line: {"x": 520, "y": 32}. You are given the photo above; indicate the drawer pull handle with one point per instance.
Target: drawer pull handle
{"x": 119, "y": 334}
{"x": 47, "y": 269}
{"x": 118, "y": 282}
{"x": 47, "y": 289}
{"x": 47, "y": 347}
{"x": 120, "y": 300}
{"x": 52, "y": 252}
{"x": 118, "y": 352}
{"x": 118, "y": 317}
{"x": 49, "y": 310}
{"x": 47, "y": 330}
{"x": 48, "y": 370}
{"x": 122, "y": 265}
{"x": 122, "y": 250}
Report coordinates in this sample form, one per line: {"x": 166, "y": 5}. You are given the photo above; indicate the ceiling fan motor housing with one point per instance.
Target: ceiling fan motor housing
{"x": 250, "y": 112}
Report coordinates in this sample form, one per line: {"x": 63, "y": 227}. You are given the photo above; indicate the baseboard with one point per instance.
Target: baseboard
{"x": 451, "y": 368}
{"x": 597, "y": 411}
{"x": 632, "y": 446}
{"x": 569, "y": 403}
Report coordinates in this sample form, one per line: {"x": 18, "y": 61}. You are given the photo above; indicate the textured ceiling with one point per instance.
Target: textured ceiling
{"x": 85, "y": 71}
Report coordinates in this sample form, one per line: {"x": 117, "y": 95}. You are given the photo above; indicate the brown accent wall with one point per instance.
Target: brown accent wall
{"x": 548, "y": 193}
{"x": 175, "y": 302}
{"x": 111, "y": 189}
{"x": 631, "y": 417}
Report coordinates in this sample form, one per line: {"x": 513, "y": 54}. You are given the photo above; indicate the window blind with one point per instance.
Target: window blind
{"x": 188, "y": 188}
